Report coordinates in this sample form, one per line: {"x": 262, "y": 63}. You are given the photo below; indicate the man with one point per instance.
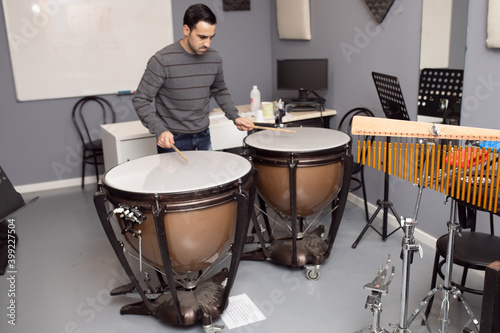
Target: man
{"x": 173, "y": 97}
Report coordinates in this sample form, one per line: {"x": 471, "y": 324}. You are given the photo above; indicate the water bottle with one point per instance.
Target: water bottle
{"x": 255, "y": 99}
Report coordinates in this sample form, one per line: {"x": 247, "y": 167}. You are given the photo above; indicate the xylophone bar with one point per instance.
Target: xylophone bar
{"x": 470, "y": 174}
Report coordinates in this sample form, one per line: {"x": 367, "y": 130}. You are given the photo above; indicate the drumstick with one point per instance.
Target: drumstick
{"x": 273, "y": 129}
{"x": 179, "y": 152}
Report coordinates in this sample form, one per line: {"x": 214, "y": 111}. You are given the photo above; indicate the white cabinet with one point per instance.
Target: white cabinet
{"x": 126, "y": 141}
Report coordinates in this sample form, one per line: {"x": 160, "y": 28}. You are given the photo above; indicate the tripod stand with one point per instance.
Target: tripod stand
{"x": 408, "y": 247}
{"x": 447, "y": 289}
{"x": 386, "y": 205}
{"x": 394, "y": 106}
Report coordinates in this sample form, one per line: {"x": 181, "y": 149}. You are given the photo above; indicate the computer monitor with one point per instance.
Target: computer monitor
{"x": 303, "y": 75}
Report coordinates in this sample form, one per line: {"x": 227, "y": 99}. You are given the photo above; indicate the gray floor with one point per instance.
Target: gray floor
{"x": 66, "y": 269}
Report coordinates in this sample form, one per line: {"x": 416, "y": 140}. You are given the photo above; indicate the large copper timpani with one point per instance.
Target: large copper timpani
{"x": 180, "y": 219}
{"x": 300, "y": 174}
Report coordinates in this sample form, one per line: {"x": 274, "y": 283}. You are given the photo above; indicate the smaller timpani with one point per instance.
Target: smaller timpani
{"x": 179, "y": 220}
{"x": 300, "y": 174}
{"x": 317, "y": 154}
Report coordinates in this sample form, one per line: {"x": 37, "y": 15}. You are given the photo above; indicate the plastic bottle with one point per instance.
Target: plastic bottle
{"x": 255, "y": 99}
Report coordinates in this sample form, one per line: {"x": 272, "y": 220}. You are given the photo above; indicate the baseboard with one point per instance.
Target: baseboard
{"x": 55, "y": 185}
{"x": 422, "y": 237}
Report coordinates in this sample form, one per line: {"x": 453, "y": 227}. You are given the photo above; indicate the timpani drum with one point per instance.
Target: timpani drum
{"x": 300, "y": 174}
{"x": 316, "y": 153}
{"x": 198, "y": 195}
{"x": 182, "y": 220}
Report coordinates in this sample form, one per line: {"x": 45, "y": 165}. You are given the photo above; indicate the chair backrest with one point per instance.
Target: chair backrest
{"x": 88, "y": 114}
{"x": 468, "y": 216}
{"x": 346, "y": 121}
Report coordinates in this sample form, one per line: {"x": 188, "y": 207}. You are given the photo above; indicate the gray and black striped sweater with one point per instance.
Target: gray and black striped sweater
{"x": 175, "y": 90}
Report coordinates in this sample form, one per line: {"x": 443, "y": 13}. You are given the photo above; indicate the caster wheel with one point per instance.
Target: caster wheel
{"x": 312, "y": 274}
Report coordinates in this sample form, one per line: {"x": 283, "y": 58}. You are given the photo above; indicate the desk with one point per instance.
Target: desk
{"x": 294, "y": 118}
{"x": 126, "y": 141}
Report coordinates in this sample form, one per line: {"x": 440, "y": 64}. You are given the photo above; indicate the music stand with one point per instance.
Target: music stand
{"x": 12, "y": 202}
{"x": 394, "y": 107}
{"x": 440, "y": 94}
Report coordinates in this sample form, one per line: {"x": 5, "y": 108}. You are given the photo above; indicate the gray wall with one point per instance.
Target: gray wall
{"x": 38, "y": 142}
{"x": 345, "y": 32}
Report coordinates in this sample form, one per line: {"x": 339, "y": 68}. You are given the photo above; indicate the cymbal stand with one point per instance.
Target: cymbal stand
{"x": 409, "y": 246}
{"x": 447, "y": 289}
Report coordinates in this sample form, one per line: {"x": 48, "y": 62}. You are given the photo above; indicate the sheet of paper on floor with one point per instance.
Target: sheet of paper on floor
{"x": 241, "y": 311}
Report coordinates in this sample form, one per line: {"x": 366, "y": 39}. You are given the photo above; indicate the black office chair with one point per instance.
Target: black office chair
{"x": 472, "y": 250}
{"x": 89, "y": 113}
{"x": 358, "y": 175}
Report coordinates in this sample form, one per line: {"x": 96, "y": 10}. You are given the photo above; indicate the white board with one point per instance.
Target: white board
{"x": 70, "y": 48}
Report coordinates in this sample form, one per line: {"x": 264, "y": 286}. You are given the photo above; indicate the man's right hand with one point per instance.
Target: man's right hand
{"x": 166, "y": 140}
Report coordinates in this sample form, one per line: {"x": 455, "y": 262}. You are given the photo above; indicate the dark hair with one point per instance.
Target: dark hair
{"x": 197, "y": 13}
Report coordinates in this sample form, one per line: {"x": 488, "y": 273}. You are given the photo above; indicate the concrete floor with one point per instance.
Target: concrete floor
{"x": 66, "y": 269}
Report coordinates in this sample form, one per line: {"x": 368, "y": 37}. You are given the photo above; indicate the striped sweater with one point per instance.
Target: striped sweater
{"x": 175, "y": 90}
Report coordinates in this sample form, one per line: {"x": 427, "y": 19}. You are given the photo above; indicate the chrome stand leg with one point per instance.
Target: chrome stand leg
{"x": 447, "y": 288}
{"x": 409, "y": 246}
{"x": 448, "y": 291}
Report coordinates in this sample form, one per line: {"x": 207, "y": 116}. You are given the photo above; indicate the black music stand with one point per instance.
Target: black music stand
{"x": 394, "y": 107}
{"x": 440, "y": 94}
{"x": 11, "y": 203}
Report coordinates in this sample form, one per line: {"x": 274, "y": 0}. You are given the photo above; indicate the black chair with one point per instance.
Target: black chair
{"x": 472, "y": 250}
{"x": 357, "y": 176}
{"x": 89, "y": 113}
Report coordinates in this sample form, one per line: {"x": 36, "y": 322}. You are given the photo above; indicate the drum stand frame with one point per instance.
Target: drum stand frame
{"x": 446, "y": 288}
{"x": 408, "y": 248}
{"x": 312, "y": 272}
{"x": 150, "y": 307}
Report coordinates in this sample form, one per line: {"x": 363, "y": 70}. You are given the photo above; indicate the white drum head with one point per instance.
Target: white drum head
{"x": 305, "y": 139}
{"x": 170, "y": 173}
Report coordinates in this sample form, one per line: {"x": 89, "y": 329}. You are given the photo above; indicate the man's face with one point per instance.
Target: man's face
{"x": 199, "y": 38}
